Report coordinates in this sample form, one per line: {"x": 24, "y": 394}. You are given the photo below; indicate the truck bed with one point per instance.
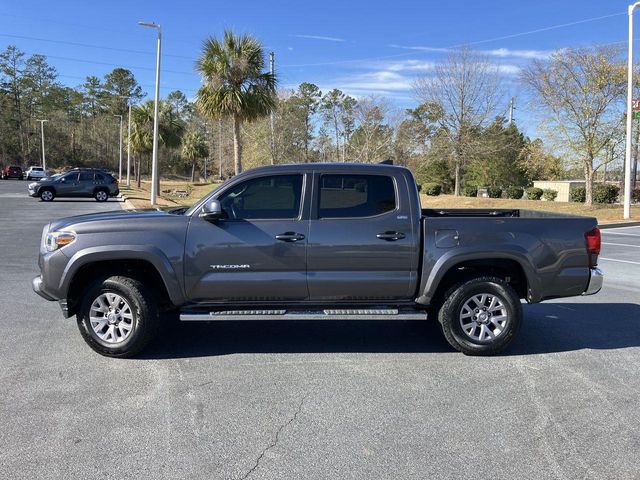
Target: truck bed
{"x": 491, "y": 213}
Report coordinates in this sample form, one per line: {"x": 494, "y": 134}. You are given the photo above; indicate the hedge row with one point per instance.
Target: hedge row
{"x": 601, "y": 194}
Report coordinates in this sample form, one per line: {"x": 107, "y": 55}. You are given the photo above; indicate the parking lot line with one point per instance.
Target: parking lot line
{"x": 621, "y": 244}
{"x": 622, "y": 228}
{"x": 616, "y": 260}
{"x": 621, "y": 233}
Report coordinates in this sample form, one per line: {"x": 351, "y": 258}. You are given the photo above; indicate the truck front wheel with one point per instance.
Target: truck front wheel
{"x": 481, "y": 316}
{"x": 117, "y": 316}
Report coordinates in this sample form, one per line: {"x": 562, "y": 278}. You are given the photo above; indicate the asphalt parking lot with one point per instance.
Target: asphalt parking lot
{"x": 343, "y": 400}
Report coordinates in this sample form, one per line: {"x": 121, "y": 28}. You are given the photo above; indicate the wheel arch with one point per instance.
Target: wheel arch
{"x": 516, "y": 271}
{"x": 149, "y": 267}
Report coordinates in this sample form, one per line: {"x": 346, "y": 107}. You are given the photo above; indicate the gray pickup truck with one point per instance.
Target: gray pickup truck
{"x": 314, "y": 241}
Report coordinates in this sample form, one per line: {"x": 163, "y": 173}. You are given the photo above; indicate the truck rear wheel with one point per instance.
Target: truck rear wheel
{"x": 117, "y": 317}
{"x": 481, "y": 316}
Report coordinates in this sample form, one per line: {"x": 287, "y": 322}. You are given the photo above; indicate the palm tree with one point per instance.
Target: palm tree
{"x": 234, "y": 83}
{"x": 170, "y": 129}
{"x": 194, "y": 147}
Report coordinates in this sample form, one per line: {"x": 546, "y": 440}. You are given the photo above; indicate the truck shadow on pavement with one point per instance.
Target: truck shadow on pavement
{"x": 548, "y": 328}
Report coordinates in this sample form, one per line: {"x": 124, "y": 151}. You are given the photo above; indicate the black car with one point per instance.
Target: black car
{"x": 79, "y": 182}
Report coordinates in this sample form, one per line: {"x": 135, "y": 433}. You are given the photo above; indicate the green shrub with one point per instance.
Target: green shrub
{"x": 514, "y": 192}
{"x": 534, "y": 193}
{"x": 470, "y": 191}
{"x": 494, "y": 192}
{"x": 432, "y": 189}
{"x": 635, "y": 195}
{"x": 577, "y": 194}
{"x": 605, "y": 193}
{"x": 549, "y": 194}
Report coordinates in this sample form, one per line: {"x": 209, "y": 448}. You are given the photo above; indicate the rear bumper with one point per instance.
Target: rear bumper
{"x": 596, "y": 279}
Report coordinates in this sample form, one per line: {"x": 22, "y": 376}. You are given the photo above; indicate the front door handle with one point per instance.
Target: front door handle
{"x": 290, "y": 237}
{"x": 391, "y": 236}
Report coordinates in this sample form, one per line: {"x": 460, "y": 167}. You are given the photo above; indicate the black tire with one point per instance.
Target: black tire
{"x": 46, "y": 197}
{"x": 20, "y": 178}
{"x": 144, "y": 312}
{"x": 101, "y": 195}
{"x": 452, "y": 309}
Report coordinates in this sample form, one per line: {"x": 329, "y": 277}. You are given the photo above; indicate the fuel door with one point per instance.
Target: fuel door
{"x": 447, "y": 238}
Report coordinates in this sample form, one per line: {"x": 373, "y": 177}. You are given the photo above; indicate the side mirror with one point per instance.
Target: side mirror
{"x": 62, "y": 180}
{"x": 212, "y": 211}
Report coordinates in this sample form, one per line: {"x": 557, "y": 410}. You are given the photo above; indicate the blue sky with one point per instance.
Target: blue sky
{"x": 361, "y": 47}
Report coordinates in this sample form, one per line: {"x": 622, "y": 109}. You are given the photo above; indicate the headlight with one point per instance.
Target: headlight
{"x": 56, "y": 240}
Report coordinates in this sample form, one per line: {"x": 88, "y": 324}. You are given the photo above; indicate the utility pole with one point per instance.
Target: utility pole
{"x": 220, "y": 147}
{"x": 120, "y": 150}
{"x": 271, "y": 116}
{"x": 512, "y": 107}
{"x": 44, "y": 160}
{"x": 129, "y": 149}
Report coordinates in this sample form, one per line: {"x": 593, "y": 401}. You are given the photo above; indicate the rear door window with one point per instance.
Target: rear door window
{"x": 86, "y": 176}
{"x": 356, "y": 196}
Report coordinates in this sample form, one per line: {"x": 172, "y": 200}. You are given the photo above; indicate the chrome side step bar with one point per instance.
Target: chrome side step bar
{"x": 326, "y": 314}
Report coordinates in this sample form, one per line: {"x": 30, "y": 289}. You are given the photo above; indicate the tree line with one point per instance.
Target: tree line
{"x": 455, "y": 136}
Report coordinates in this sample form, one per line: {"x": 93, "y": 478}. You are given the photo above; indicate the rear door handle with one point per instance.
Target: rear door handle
{"x": 290, "y": 237}
{"x": 391, "y": 236}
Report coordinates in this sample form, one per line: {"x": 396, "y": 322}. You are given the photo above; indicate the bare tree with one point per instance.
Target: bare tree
{"x": 467, "y": 88}
{"x": 580, "y": 91}
{"x": 372, "y": 140}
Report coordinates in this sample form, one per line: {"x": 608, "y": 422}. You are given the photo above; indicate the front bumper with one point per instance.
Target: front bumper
{"x": 36, "y": 284}
{"x": 596, "y": 278}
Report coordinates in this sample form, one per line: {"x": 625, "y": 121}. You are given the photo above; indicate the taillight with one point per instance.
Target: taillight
{"x": 594, "y": 243}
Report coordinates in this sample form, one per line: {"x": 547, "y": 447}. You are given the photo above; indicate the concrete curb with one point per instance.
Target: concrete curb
{"x": 126, "y": 204}
{"x": 619, "y": 224}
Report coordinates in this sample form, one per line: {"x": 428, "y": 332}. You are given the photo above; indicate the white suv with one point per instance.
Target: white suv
{"x": 35, "y": 173}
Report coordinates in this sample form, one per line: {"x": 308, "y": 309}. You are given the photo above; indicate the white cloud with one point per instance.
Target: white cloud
{"x": 529, "y": 54}
{"x": 496, "y": 52}
{"x": 382, "y": 80}
{"x": 411, "y": 66}
{"x": 320, "y": 37}
{"x": 508, "y": 69}
{"x": 422, "y": 49}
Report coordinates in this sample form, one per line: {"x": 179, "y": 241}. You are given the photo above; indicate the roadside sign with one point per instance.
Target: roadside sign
{"x": 636, "y": 114}
{"x": 635, "y": 104}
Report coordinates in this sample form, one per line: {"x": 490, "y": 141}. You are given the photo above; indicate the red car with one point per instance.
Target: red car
{"x": 12, "y": 172}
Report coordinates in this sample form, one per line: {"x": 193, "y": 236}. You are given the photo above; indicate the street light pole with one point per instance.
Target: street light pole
{"x": 271, "y": 117}
{"x": 120, "y": 150}
{"x": 220, "y": 148}
{"x": 44, "y": 159}
{"x": 129, "y": 149}
{"x": 627, "y": 156}
{"x": 154, "y": 161}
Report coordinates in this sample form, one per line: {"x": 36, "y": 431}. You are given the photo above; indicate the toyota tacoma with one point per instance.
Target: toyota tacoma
{"x": 314, "y": 241}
